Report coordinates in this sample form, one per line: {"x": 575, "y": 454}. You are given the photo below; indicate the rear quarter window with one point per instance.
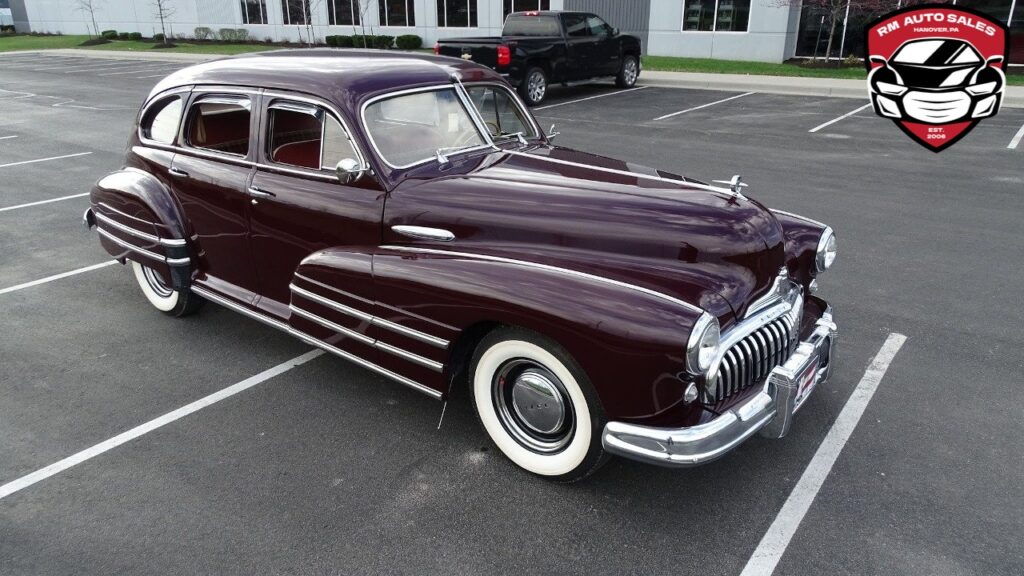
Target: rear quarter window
{"x": 160, "y": 124}
{"x": 522, "y": 25}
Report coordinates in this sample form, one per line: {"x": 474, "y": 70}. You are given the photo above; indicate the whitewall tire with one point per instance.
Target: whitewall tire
{"x": 537, "y": 405}
{"x": 160, "y": 293}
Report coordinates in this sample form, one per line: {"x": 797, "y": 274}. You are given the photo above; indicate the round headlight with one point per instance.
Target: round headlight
{"x": 826, "y": 250}
{"x": 703, "y": 344}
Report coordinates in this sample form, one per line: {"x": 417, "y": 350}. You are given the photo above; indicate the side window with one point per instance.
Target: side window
{"x": 305, "y": 136}
{"x": 220, "y": 124}
{"x": 598, "y": 27}
{"x": 160, "y": 123}
{"x": 500, "y": 113}
{"x": 576, "y": 25}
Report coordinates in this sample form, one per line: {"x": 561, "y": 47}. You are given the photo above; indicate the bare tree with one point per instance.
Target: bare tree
{"x": 364, "y": 7}
{"x": 89, "y": 6}
{"x": 164, "y": 11}
{"x": 836, "y": 11}
{"x": 311, "y": 7}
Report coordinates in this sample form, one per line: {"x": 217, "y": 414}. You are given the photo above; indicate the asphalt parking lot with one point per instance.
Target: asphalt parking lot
{"x": 325, "y": 468}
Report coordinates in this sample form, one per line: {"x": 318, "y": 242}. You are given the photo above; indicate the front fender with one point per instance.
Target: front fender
{"x": 137, "y": 219}
{"x": 801, "y": 237}
{"x": 631, "y": 342}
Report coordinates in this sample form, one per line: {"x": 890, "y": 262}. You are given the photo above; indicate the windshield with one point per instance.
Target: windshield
{"x": 500, "y": 113}
{"x": 936, "y": 64}
{"x": 411, "y": 128}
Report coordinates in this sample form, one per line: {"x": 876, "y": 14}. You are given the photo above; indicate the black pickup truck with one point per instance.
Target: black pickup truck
{"x": 538, "y": 48}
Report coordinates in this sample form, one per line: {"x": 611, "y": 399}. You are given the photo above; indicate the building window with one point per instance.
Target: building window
{"x": 397, "y": 12}
{"x": 525, "y": 5}
{"x": 254, "y": 11}
{"x": 295, "y": 12}
{"x": 343, "y": 12}
{"x": 456, "y": 13}
{"x": 716, "y": 15}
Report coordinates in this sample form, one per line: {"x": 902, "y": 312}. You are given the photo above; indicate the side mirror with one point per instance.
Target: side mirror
{"x": 552, "y": 133}
{"x": 878, "y": 60}
{"x": 615, "y": 31}
{"x": 349, "y": 171}
{"x": 994, "y": 60}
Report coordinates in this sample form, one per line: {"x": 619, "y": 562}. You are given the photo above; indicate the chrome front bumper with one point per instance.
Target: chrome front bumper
{"x": 770, "y": 411}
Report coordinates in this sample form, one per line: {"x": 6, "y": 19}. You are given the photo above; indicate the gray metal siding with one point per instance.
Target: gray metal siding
{"x": 20, "y": 16}
{"x": 629, "y": 16}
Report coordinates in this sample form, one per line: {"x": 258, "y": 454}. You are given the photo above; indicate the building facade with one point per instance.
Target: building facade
{"x": 760, "y": 30}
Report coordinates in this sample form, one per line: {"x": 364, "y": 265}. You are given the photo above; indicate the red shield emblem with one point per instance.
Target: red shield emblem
{"x": 936, "y": 71}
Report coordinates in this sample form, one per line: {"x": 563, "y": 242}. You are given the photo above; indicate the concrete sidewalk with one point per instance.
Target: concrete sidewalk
{"x": 827, "y": 87}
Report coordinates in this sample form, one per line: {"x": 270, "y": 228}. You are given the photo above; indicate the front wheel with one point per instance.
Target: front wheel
{"x": 629, "y": 72}
{"x": 160, "y": 294}
{"x": 534, "y": 86}
{"x": 537, "y": 405}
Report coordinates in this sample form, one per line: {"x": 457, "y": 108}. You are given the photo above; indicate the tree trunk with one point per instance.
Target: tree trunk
{"x": 831, "y": 36}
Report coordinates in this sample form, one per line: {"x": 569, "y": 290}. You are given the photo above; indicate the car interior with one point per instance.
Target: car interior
{"x": 220, "y": 126}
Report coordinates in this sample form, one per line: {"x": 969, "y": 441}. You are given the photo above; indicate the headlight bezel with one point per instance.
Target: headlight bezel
{"x": 826, "y": 251}
{"x": 699, "y": 355}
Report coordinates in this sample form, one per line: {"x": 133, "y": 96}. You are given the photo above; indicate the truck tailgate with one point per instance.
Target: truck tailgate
{"x": 480, "y": 50}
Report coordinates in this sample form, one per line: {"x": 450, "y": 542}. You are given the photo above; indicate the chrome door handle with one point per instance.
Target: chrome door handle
{"x": 260, "y": 193}
{"x": 424, "y": 233}
{"x": 177, "y": 172}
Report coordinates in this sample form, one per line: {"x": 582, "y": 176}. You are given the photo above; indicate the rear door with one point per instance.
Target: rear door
{"x": 209, "y": 175}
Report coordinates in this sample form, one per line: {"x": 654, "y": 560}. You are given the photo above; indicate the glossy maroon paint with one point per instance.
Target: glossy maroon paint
{"x": 672, "y": 246}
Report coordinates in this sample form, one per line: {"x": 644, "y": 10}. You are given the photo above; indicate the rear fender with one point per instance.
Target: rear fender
{"x": 137, "y": 219}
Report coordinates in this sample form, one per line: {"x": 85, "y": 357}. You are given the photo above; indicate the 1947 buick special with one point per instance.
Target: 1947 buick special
{"x": 407, "y": 213}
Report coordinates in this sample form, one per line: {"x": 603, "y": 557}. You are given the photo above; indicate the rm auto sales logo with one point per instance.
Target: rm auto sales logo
{"x": 936, "y": 71}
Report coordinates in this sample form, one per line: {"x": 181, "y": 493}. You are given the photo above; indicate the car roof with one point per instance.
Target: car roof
{"x": 342, "y": 76}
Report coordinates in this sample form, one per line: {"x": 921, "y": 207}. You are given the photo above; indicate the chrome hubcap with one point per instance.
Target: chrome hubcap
{"x": 533, "y": 406}
{"x": 156, "y": 283}
{"x": 630, "y": 71}
{"x": 536, "y": 86}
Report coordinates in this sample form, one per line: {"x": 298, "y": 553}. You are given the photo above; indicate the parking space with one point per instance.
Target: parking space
{"x": 327, "y": 468}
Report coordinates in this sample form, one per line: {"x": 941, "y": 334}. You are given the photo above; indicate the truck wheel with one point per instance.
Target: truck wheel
{"x": 164, "y": 298}
{"x": 537, "y": 405}
{"x": 629, "y": 73}
{"x": 534, "y": 86}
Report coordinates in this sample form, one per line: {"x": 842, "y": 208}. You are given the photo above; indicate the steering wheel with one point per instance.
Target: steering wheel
{"x": 493, "y": 128}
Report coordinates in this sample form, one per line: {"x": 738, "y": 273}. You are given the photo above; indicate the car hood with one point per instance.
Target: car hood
{"x": 603, "y": 216}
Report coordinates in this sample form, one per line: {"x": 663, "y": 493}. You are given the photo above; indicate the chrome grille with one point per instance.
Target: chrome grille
{"x": 750, "y": 360}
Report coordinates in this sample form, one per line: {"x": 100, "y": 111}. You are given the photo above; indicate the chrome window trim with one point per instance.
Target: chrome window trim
{"x": 241, "y": 93}
{"x": 549, "y": 268}
{"x": 406, "y": 92}
{"x": 133, "y": 248}
{"x": 138, "y": 234}
{"x": 538, "y": 133}
{"x": 328, "y": 108}
{"x": 686, "y": 183}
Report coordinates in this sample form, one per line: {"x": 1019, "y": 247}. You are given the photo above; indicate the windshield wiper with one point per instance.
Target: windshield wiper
{"x": 442, "y": 153}
{"x": 517, "y": 135}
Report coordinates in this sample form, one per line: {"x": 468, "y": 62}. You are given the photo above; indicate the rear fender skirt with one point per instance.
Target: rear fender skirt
{"x": 137, "y": 219}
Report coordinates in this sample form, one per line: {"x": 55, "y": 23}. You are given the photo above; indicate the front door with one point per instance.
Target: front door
{"x": 299, "y": 209}
{"x": 580, "y": 46}
{"x": 607, "y": 60}
{"x": 209, "y": 176}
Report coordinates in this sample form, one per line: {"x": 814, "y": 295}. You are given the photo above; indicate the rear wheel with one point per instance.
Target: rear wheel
{"x": 162, "y": 296}
{"x": 537, "y": 405}
{"x": 629, "y": 72}
{"x": 534, "y": 86}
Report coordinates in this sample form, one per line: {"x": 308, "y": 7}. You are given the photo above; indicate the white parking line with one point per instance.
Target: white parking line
{"x": 768, "y": 553}
{"x": 61, "y": 465}
{"x": 591, "y": 98}
{"x": 137, "y": 71}
{"x": 44, "y": 159}
{"x": 7, "y": 137}
{"x": 56, "y": 277}
{"x": 1016, "y": 139}
{"x": 843, "y": 117}
{"x": 701, "y": 107}
{"x": 17, "y": 206}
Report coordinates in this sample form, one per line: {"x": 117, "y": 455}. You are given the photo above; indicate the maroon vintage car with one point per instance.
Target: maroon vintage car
{"x": 407, "y": 213}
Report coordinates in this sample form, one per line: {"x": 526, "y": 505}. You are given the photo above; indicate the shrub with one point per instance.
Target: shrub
{"x": 95, "y": 42}
{"x": 7, "y": 29}
{"x": 331, "y": 41}
{"x": 409, "y": 42}
{"x": 109, "y": 34}
{"x": 343, "y": 41}
{"x": 159, "y": 38}
{"x": 241, "y": 34}
{"x": 203, "y": 33}
{"x": 135, "y": 36}
{"x": 167, "y": 45}
{"x": 268, "y": 40}
{"x": 383, "y": 42}
{"x": 122, "y": 35}
{"x": 227, "y": 34}
{"x": 361, "y": 41}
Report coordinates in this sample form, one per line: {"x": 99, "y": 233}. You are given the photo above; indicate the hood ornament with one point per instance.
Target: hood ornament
{"x": 735, "y": 184}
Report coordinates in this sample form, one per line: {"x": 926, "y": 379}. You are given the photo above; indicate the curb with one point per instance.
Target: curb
{"x": 121, "y": 55}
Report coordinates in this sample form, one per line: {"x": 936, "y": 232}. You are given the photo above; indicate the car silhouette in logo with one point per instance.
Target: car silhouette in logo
{"x": 936, "y": 81}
